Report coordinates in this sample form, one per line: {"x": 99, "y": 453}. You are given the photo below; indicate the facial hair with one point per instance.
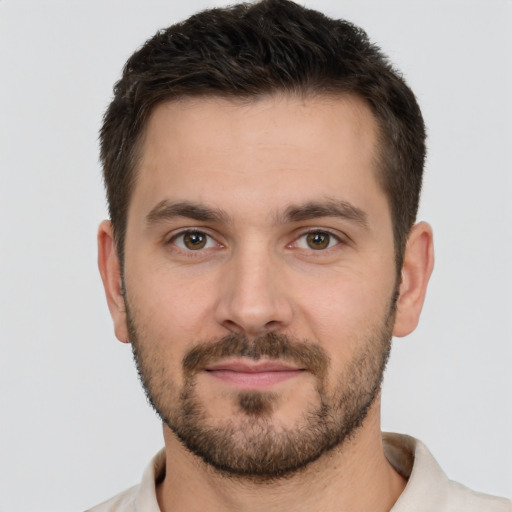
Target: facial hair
{"x": 254, "y": 447}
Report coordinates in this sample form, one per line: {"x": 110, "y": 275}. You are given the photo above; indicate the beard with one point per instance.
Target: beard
{"x": 253, "y": 446}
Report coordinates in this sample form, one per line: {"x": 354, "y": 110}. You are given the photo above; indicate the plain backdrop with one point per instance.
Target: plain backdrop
{"x": 74, "y": 425}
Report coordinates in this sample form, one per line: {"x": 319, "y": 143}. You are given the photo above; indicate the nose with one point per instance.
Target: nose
{"x": 252, "y": 296}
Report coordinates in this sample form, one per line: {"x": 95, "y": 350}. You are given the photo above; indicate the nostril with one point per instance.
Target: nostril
{"x": 251, "y": 330}
{"x": 233, "y": 326}
{"x": 272, "y": 324}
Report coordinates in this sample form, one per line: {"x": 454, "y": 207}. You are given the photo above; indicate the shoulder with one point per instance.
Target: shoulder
{"x": 459, "y": 497}
{"x": 141, "y": 497}
{"x": 428, "y": 488}
{"x": 122, "y": 502}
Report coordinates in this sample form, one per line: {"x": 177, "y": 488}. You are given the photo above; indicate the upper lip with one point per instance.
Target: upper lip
{"x": 250, "y": 366}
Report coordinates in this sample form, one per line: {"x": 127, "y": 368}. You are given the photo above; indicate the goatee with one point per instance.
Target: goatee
{"x": 252, "y": 445}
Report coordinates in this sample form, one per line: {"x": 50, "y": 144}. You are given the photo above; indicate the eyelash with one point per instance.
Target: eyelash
{"x": 331, "y": 238}
{"x": 210, "y": 242}
{"x": 191, "y": 232}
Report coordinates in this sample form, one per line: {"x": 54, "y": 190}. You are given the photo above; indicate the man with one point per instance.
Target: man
{"x": 263, "y": 165}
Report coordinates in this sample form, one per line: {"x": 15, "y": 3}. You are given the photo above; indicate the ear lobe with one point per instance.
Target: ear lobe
{"x": 110, "y": 270}
{"x": 416, "y": 271}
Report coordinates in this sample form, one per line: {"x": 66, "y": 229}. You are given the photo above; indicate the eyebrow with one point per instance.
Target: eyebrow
{"x": 328, "y": 208}
{"x": 167, "y": 210}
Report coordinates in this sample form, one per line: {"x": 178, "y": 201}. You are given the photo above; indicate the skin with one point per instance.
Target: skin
{"x": 252, "y": 161}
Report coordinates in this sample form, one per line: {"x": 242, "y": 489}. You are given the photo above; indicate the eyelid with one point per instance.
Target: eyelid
{"x": 340, "y": 238}
{"x": 171, "y": 240}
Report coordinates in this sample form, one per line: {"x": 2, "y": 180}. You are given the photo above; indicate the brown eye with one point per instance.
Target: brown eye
{"x": 193, "y": 241}
{"x": 318, "y": 240}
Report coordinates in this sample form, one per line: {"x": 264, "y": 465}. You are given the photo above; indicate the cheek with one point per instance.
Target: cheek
{"x": 173, "y": 306}
{"x": 342, "y": 310}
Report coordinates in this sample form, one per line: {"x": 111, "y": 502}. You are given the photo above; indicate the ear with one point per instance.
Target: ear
{"x": 110, "y": 270}
{"x": 416, "y": 270}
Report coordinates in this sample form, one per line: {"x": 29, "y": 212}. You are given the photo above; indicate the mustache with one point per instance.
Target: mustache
{"x": 271, "y": 346}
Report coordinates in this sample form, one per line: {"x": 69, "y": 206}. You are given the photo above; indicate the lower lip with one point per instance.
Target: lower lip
{"x": 254, "y": 380}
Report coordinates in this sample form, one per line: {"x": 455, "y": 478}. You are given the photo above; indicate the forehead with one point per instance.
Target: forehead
{"x": 322, "y": 120}
{"x": 276, "y": 149}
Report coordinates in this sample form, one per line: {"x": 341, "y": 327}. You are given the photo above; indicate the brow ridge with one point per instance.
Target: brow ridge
{"x": 167, "y": 210}
{"x": 329, "y": 208}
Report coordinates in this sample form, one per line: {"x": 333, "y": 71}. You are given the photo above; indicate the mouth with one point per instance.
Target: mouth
{"x": 247, "y": 374}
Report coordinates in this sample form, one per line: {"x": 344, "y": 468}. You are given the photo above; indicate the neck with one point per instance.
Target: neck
{"x": 355, "y": 477}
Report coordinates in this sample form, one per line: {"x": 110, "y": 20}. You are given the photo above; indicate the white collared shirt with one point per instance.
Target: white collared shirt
{"x": 428, "y": 489}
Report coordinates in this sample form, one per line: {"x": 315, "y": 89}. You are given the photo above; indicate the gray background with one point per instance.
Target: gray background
{"x": 75, "y": 428}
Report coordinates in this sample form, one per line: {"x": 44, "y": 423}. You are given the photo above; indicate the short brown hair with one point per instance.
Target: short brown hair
{"x": 250, "y": 50}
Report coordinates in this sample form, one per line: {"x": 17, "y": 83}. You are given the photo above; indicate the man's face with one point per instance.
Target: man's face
{"x": 260, "y": 277}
